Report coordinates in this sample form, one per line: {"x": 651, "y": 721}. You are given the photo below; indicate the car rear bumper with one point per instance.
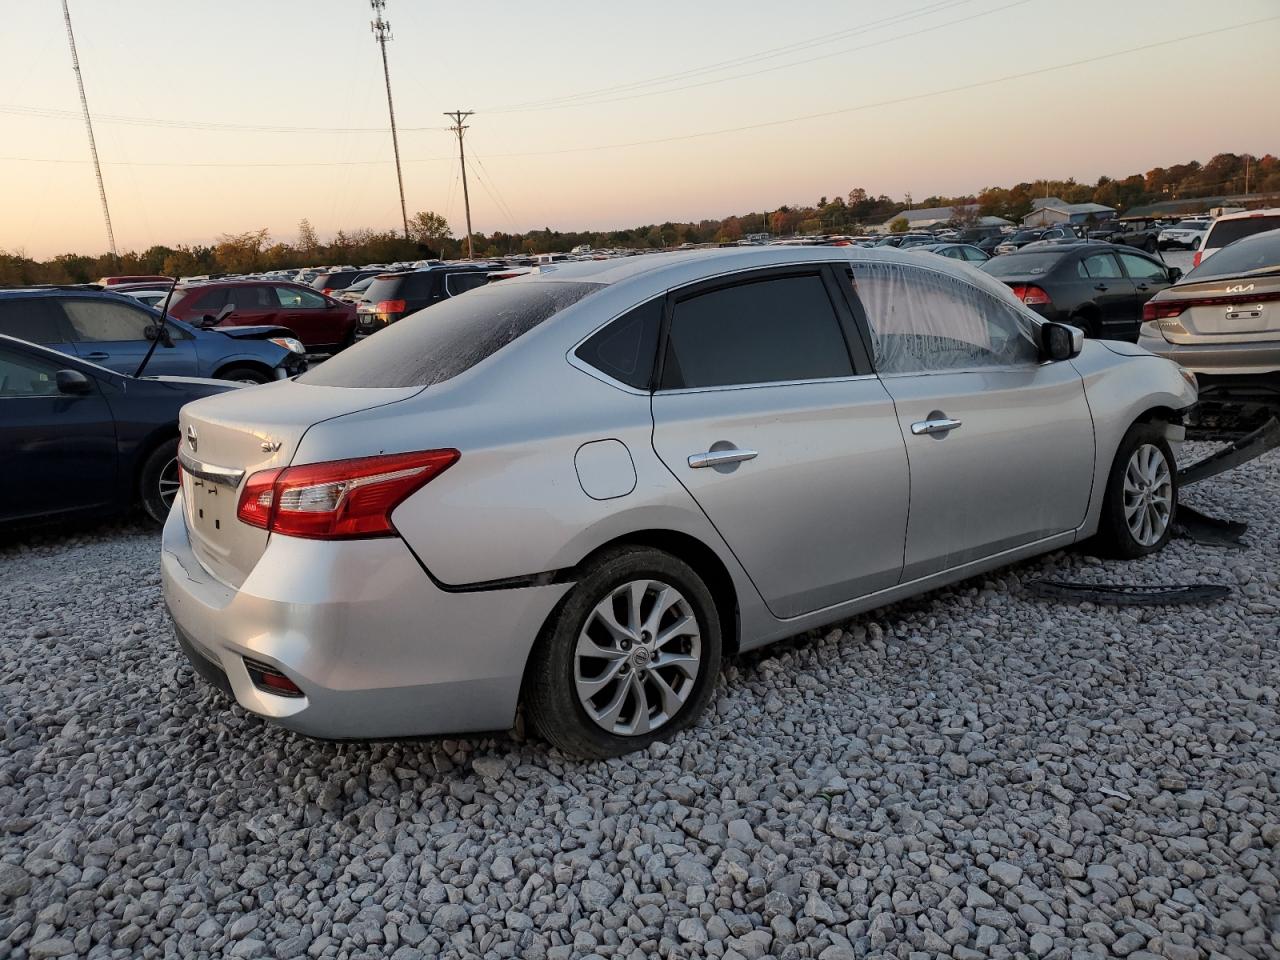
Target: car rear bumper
{"x": 375, "y": 646}
{"x": 1251, "y": 359}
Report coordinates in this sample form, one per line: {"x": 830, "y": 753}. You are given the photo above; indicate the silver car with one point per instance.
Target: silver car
{"x": 578, "y": 490}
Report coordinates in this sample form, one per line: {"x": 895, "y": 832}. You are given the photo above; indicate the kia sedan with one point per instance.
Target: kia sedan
{"x": 579, "y": 490}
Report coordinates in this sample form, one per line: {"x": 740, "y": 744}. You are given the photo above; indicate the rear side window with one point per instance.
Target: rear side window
{"x": 435, "y": 345}
{"x": 1100, "y": 266}
{"x": 456, "y": 283}
{"x": 1140, "y": 268}
{"x": 626, "y": 348}
{"x": 1228, "y": 231}
{"x": 251, "y": 298}
{"x": 764, "y": 331}
{"x": 30, "y": 319}
{"x": 213, "y": 299}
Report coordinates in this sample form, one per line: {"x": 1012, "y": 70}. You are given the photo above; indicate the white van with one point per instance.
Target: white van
{"x": 1232, "y": 227}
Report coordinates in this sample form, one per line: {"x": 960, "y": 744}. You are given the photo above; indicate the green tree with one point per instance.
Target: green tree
{"x": 899, "y": 225}
{"x": 307, "y": 239}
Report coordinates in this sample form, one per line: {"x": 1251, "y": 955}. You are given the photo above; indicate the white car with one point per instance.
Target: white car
{"x": 1232, "y": 226}
{"x": 1185, "y": 233}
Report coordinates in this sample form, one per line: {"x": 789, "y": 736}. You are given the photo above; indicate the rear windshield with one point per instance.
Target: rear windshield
{"x": 435, "y": 345}
{"x": 1228, "y": 231}
{"x": 1021, "y": 264}
{"x": 1257, "y": 254}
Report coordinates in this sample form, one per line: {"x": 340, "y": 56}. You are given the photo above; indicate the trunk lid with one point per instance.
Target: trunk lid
{"x": 1228, "y": 310}
{"x": 227, "y": 438}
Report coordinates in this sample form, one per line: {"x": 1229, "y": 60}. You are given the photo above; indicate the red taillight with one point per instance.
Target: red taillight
{"x": 1156, "y": 310}
{"x": 1166, "y": 309}
{"x": 389, "y": 306}
{"x": 267, "y": 677}
{"x": 341, "y": 499}
{"x": 1030, "y": 294}
{"x": 1195, "y": 261}
{"x": 327, "y": 291}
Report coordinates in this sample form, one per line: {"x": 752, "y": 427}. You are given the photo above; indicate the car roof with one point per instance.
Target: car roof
{"x": 1246, "y": 214}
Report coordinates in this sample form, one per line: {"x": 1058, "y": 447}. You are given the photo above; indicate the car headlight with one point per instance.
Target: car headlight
{"x": 290, "y": 344}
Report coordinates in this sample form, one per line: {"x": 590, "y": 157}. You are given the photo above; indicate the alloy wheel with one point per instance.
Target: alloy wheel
{"x": 1148, "y": 494}
{"x": 169, "y": 483}
{"x": 637, "y": 658}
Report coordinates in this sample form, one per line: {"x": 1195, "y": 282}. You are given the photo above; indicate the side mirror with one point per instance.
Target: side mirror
{"x": 155, "y": 331}
{"x": 73, "y": 382}
{"x": 1059, "y": 341}
{"x": 1175, "y": 274}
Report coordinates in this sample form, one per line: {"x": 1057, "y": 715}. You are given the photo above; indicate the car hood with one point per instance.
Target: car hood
{"x": 252, "y": 333}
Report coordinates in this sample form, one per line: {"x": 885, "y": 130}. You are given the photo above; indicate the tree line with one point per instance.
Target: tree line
{"x": 430, "y": 235}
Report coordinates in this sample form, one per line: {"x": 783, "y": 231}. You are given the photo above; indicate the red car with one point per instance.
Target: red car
{"x": 322, "y": 323}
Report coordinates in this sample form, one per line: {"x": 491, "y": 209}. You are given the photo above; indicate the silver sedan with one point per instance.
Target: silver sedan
{"x": 579, "y": 490}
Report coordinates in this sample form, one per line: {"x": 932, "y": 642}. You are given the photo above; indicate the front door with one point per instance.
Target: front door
{"x": 113, "y": 334}
{"x": 787, "y": 443}
{"x": 1000, "y": 446}
{"x": 1105, "y": 284}
{"x": 58, "y": 450}
{"x": 315, "y": 320}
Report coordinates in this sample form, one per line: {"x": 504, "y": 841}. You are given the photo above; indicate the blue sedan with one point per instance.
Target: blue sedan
{"x": 78, "y": 440}
{"x": 115, "y": 332}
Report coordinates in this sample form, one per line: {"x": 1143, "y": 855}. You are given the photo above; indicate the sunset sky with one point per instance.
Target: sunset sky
{"x": 230, "y": 116}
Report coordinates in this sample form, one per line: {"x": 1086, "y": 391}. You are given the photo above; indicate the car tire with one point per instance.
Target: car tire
{"x": 158, "y": 480}
{"x": 1087, "y": 323}
{"x": 1141, "y": 500}
{"x": 243, "y": 373}
{"x": 637, "y": 672}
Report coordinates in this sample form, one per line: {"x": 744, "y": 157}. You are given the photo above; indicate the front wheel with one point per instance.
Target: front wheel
{"x": 1142, "y": 495}
{"x": 630, "y": 657}
{"x": 158, "y": 481}
{"x": 244, "y": 374}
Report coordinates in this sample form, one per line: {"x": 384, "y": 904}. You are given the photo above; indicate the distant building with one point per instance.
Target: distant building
{"x": 1050, "y": 211}
{"x": 926, "y": 217}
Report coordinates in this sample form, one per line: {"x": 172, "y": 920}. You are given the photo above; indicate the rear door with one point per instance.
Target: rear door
{"x": 1000, "y": 445}
{"x": 770, "y": 418}
{"x": 252, "y": 304}
{"x": 113, "y": 334}
{"x": 1105, "y": 283}
{"x": 1148, "y": 276}
{"x": 58, "y": 450}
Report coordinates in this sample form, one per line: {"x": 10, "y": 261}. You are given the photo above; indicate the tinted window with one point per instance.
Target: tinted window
{"x": 1100, "y": 266}
{"x": 295, "y": 298}
{"x": 251, "y": 298}
{"x": 103, "y": 320}
{"x": 29, "y": 319}
{"x": 23, "y": 376}
{"x": 626, "y": 348}
{"x": 1259, "y": 253}
{"x": 922, "y": 320}
{"x": 456, "y": 283}
{"x": 433, "y": 345}
{"x": 1191, "y": 225}
{"x": 211, "y": 300}
{"x": 1140, "y": 268}
{"x": 1228, "y": 231}
{"x": 760, "y": 332}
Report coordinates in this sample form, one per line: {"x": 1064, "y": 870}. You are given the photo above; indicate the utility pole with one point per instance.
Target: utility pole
{"x": 1247, "y": 158}
{"x": 382, "y": 33}
{"x": 88, "y": 123}
{"x": 457, "y": 116}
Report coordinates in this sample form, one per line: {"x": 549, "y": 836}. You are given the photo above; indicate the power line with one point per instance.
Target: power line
{"x": 460, "y": 128}
{"x": 53, "y": 113}
{"x": 88, "y": 124}
{"x": 770, "y": 53}
{"x": 869, "y": 105}
{"x": 284, "y": 164}
{"x": 382, "y": 33}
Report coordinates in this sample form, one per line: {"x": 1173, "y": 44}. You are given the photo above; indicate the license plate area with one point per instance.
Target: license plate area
{"x": 211, "y": 506}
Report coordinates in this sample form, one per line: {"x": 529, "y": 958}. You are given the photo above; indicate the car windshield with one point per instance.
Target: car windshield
{"x": 1252, "y": 255}
{"x": 436, "y": 344}
{"x": 1190, "y": 225}
{"x": 1022, "y": 264}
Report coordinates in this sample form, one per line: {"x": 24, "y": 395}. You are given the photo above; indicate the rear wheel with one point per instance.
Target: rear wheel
{"x": 631, "y": 656}
{"x": 1142, "y": 495}
{"x": 242, "y": 373}
{"x": 158, "y": 481}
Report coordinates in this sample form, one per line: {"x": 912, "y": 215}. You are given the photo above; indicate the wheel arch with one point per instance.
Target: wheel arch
{"x": 142, "y": 452}
{"x": 231, "y": 364}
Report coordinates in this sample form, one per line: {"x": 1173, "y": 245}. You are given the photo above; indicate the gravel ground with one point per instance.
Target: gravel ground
{"x": 972, "y": 773}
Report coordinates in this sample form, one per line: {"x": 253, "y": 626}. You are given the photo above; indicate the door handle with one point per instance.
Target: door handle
{"x": 1100, "y": 286}
{"x": 99, "y": 355}
{"x": 1143, "y": 286}
{"x": 718, "y": 458}
{"x": 923, "y": 428}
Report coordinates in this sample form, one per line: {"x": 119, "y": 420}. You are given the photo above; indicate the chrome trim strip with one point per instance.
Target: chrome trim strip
{"x": 207, "y": 471}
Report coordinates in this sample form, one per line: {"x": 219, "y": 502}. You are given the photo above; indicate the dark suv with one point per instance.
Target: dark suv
{"x": 1141, "y": 232}
{"x": 392, "y": 296}
{"x": 333, "y": 282}
{"x": 115, "y": 332}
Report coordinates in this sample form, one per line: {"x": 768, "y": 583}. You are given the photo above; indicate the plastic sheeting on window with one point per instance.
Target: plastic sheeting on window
{"x": 923, "y": 320}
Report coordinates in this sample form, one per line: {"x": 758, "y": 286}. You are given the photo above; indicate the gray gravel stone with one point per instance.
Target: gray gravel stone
{"x": 974, "y": 773}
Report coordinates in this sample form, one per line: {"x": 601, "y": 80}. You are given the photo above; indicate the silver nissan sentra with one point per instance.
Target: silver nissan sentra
{"x": 580, "y": 490}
